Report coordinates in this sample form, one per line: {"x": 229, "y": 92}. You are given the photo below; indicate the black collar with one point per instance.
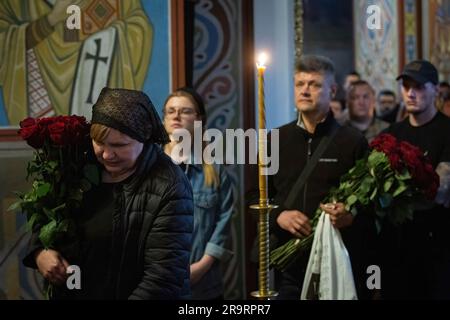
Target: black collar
{"x": 322, "y": 128}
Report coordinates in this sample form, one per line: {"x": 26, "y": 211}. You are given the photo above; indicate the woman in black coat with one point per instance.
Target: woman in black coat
{"x": 134, "y": 229}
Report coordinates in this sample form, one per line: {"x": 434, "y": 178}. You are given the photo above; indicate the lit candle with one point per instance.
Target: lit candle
{"x": 262, "y": 138}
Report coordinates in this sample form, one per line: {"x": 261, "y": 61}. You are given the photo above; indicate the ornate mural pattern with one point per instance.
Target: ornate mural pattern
{"x": 377, "y": 51}
{"x": 439, "y": 31}
{"x": 411, "y": 41}
{"x": 217, "y": 63}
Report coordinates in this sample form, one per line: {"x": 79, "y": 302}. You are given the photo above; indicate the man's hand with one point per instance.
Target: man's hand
{"x": 199, "y": 268}
{"x": 52, "y": 266}
{"x": 339, "y": 217}
{"x": 295, "y": 222}
{"x": 443, "y": 194}
{"x": 59, "y": 11}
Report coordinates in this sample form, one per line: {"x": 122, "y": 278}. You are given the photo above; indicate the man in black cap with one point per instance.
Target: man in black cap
{"x": 415, "y": 259}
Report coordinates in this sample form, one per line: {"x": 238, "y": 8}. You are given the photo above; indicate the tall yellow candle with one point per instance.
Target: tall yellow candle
{"x": 262, "y": 138}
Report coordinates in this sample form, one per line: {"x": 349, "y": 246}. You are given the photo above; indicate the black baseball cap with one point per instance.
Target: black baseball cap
{"x": 421, "y": 71}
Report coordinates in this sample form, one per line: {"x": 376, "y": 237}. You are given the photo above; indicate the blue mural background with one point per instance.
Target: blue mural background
{"x": 157, "y": 83}
{"x": 3, "y": 121}
{"x": 217, "y": 77}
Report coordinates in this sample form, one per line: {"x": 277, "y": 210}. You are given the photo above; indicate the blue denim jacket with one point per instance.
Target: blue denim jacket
{"x": 213, "y": 208}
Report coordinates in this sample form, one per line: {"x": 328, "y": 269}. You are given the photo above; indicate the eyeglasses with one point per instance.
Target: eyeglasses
{"x": 183, "y": 112}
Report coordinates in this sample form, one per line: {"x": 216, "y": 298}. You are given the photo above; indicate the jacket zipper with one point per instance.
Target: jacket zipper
{"x": 306, "y": 182}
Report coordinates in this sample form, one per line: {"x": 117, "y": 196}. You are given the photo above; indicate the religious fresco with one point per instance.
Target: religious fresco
{"x": 438, "y": 29}
{"x": 377, "y": 50}
{"x": 411, "y": 37}
{"x": 44, "y": 72}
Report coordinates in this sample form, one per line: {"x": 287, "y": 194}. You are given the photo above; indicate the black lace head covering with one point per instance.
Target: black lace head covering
{"x": 132, "y": 113}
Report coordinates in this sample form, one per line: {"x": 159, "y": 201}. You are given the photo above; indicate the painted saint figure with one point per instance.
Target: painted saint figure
{"x": 47, "y": 69}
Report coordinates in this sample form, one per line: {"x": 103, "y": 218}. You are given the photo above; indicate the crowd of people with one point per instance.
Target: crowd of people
{"x": 158, "y": 226}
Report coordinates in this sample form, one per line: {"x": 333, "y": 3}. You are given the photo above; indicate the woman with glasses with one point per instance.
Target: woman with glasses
{"x": 213, "y": 197}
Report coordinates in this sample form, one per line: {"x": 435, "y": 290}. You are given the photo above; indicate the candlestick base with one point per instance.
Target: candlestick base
{"x": 264, "y": 207}
{"x": 269, "y": 295}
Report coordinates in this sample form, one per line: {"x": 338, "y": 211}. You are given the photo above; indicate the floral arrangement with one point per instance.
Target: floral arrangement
{"x": 394, "y": 178}
{"x": 61, "y": 172}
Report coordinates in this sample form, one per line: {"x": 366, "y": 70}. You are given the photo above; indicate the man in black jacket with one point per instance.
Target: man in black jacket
{"x": 415, "y": 256}
{"x": 314, "y": 88}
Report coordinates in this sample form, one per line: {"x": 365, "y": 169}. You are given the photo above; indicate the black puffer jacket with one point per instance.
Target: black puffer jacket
{"x": 154, "y": 262}
{"x": 152, "y": 227}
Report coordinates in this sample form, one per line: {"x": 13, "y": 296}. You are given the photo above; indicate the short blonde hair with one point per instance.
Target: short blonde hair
{"x": 99, "y": 132}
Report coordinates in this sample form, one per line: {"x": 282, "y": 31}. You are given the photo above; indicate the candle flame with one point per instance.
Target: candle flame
{"x": 262, "y": 60}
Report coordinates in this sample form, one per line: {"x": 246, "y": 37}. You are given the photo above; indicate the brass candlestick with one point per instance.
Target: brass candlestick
{"x": 263, "y": 207}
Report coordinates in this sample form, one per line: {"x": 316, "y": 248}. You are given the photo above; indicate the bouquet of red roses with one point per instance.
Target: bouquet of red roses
{"x": 392, "y": 180}
{"x": 61, "y": 171}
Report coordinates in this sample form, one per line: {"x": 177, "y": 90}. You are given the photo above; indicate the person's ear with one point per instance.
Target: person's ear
{"x": 333, "y": 90}
{"x": 436, "y": 90}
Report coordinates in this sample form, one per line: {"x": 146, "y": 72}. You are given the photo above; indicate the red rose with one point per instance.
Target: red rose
{"x": 76, "y": 129}
{"x": 408, "y": 147}
{"x": 410, "y": 154}
{"x": 32, "y": 136}
{"x": 431, "y": 183}
{"x": 395, "y": 161}
{"x": 31, "y": 133}
{"x": 420, "y": 168}
{"x": 45, "y": 122}
{"x": 28, "y": 122}
{"x": 388, "y": 146}
{"x": 57, "y": 133}
{"x": 385, "y": 143}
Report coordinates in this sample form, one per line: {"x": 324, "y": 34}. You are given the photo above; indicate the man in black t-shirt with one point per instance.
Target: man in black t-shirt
{"x": 415, "y": 257}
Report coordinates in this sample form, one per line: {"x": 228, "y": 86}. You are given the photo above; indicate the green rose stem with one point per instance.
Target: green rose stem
{"x": 281, "y": 257}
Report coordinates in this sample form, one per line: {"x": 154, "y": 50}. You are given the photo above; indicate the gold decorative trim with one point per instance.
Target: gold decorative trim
{"x": 298, "y": 18}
